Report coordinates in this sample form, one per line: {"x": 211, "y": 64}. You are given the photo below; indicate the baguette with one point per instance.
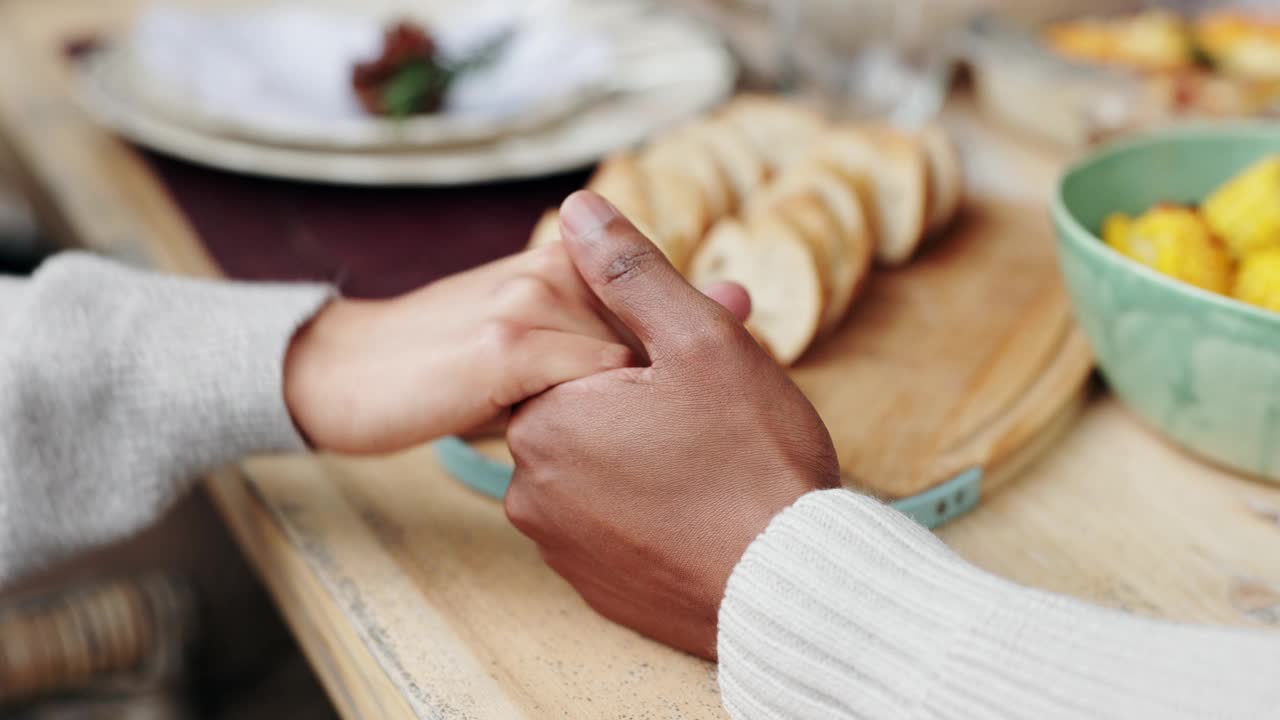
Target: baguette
{"x": 680, "y": 213}
{"x": 741, "y": 164}
{"x": 779, "y": 130}
{"x": 946, "y": 176}
{"x": 687, "y": 152}
{"x": 777, "y": 267}
{"x": 890, "y": 172}
{"x": 808, "y": 215}
{"x": 851, "y": 259}
{"x": 619, "y": 180}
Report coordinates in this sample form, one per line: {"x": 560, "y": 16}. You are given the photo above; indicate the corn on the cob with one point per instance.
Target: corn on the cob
{"x": 1258, "y": 281}
{"x": 1245, "y": 211}
{"x": 1115, "y": 232}
{"x": 1172, "y": 240}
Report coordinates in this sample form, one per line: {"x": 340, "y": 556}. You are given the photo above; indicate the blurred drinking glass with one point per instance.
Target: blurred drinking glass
{"x": 887, "y": 60}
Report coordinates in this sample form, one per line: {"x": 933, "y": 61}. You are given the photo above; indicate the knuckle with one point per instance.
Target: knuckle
{"x": 708, "y": 340}
{"x": 527, "y": 385}
{"x": 685, "y": 345}
{"x": 524, "y": 293}
{"x": 522, "y": 437}
{"x": 501, "y": 335}
{"x": 520, "y": 510}
{"x": 630, "y": 262}
{"x": 540, "y": 483}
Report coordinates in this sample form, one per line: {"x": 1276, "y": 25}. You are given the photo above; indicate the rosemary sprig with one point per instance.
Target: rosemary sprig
{"x": 417, "y": 87}
{"x": 420, "y": 85}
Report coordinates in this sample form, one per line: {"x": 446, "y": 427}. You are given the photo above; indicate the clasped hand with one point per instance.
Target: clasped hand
{"x": 653, "y": 438}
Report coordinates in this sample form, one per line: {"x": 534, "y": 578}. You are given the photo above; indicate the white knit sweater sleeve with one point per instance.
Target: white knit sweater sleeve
{"x": 118, "y": 387}
{"x": 845, "y": 608}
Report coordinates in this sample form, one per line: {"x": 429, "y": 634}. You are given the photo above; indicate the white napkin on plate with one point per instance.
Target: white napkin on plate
{"x": 290, "y": 64}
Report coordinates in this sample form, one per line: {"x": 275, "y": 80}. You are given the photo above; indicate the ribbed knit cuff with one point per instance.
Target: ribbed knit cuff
{"x": 791, "y": 648}
{"x": 846, "y": 608}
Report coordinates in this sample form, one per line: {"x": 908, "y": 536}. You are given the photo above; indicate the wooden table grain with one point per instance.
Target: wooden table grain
{"x": 412, "y": 597}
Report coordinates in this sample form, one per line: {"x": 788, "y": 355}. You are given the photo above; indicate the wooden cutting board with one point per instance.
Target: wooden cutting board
{"x": 958, "y": 361}
{"x": 947, "y": 375}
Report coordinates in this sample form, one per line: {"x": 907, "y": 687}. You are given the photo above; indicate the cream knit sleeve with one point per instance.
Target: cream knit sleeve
{"x": 118, "y": 387}
{"x": 845, "y": 608}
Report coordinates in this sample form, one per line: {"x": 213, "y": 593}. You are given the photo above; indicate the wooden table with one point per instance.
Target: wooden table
{"x": 413, "y": 597}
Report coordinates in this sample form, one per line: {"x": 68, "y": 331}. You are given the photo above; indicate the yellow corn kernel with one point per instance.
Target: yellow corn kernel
{"x": 1115, "y": 231}
{"x": 1258, "y": 281}
{"x": 1245, "y": 211}
{"x": 1174, "y": 240}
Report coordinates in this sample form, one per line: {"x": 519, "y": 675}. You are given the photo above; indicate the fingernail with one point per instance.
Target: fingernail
{"x": 586, "y": 212}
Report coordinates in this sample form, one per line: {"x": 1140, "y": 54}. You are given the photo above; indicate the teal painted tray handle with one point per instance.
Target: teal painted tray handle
{"x": 931, "y": 508}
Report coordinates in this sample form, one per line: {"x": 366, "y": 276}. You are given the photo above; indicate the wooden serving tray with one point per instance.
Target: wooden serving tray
{"x": 946, "y": 375}
{"x": 953, "y": 362}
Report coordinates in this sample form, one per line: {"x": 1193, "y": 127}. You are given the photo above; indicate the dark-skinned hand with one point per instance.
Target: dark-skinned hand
{"x": 643, "y": 486}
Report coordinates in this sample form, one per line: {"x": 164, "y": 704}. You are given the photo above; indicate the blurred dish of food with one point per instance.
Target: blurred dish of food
{"x": 1150, "y": 41}
{"x": 1185, "y": 318}
{"x": 1239, "y": 222}
{"x": 306, "y": 75}
{"x": 1241, "y": 44}
{"x": 305, "y": 120}
{"x": 1078, "y": 79}
{"x": 1224, "y": 62}
{"x": 1232, "y": 42}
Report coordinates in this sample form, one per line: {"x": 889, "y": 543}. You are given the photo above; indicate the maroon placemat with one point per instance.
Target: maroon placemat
{"x": 372, "y": 242}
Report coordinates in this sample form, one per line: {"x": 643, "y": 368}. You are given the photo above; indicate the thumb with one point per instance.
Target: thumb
{"x": 630, "y": 275}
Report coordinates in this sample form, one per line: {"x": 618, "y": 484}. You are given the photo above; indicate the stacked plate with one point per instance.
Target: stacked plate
{"x": 267, "y": 90}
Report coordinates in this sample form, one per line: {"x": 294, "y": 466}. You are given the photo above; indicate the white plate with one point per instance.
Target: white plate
{"x": 280, "y": 73}
{"x": 667, "y": 70}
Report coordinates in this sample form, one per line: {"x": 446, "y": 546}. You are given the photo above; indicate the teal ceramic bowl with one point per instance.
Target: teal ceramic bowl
{"x": 1202, "y": 368}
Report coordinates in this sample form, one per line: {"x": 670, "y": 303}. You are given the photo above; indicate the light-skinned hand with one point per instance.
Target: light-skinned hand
{"x": 370, "y": 376}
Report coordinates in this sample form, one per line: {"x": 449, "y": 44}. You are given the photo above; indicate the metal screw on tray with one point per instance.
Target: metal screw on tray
{"x": 104, "y": 648}
{"x": 881, "y": 60}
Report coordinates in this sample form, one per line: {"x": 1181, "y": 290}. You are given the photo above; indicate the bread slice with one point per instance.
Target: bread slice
{"x": 740, "y": 162}
{"x": 859, "y": 248}
{"x": 859, "y": 251}
{"x": 547, "y": 231}
{"x": 686, "y": 151}
{"x": 807, "y": 213}
{"x": 946, "y": 176}
{"x": 619, "y": 180}
{"x": 779, "y": 130}
{"x": 777, "y": 267}
{"x": 851, "y": 259}
{"x": 890, "y": 171}
{"x": 680, "y": 212}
